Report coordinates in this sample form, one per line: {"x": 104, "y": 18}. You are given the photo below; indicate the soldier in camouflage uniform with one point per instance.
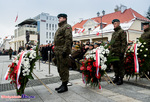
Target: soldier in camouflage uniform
{"x": 119, "y": 44}
{"x": 146, "y": 37}
{"x": 62, "y": 49}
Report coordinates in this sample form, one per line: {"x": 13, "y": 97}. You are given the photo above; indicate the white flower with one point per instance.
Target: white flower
{"x": 137, "y": 53}
{"x": 27, "y": 73}
{"x": 32, "y": 54}
{"x": 107, "y": 51}
{"x": 142, "y": 46}
{"x": 128, "y": 50}
{"x": 24, "y": 74}
{"x": 145, "y": 55}
{"x": 146, "y": 49}
{"x": 144, "y": 43}
{"x": 94, "y": 50}
{"x": 103, "y": 67}
{"x": 141, "y": 50}
{"x": 103, "y": 52}
{"x": 105, "y": 59}
{"x": 102, "y": 62}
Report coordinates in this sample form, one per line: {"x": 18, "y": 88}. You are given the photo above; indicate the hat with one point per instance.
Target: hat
{"x": 62, "y": 15}
{"x": 115, "y": 20}
{"x": 145, "y": 23}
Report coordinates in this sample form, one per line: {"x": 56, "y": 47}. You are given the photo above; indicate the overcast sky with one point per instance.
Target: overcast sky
{"x": 75, "y": 9}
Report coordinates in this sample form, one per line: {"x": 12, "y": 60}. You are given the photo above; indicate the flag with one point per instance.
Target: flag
{"x": 97, "y": 33}
{"x": 16, "y": 18}
{"x": 81, "y": 30}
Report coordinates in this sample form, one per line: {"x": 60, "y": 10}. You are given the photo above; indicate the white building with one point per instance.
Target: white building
{"x": 1, "y": 42}
{"x": 5, "y": 45}
{"x": 29, "y": 25}
{"x": 89, "y": 29}
{"x": 46, "y": 27}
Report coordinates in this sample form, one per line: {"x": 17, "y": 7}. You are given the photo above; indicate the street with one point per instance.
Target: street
{"x": 78, "y": 92}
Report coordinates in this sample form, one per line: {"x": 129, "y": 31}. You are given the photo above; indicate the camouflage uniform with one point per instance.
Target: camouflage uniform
{"x": 63, "y": 44}
{"x": 119, "y": 44}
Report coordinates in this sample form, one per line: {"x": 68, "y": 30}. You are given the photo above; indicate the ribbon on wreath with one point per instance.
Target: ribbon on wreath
{"x": 98, "y": 75}
{"x": 97, "y": 64}
{"x": 136, "y": 63}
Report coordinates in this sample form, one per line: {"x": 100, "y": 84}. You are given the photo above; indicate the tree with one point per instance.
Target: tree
{"x": 148, "y": 13}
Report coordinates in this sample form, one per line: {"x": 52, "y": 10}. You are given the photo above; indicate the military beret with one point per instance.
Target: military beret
{"x": 146, "y": 23}
{"x": 62, "y": 15}
{"x": 115, "y": 20}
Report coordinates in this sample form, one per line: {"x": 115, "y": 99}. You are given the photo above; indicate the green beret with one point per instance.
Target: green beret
{"x": 115, "y": 20}
{"x": 146, "y": 23}
{"x": 62, "y": 15}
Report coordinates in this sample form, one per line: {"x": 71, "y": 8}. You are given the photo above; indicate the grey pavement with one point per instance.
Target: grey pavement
{"x": 130, "y": 91}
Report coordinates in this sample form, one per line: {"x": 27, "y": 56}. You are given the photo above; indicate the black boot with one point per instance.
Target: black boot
{"x": 120, "y": 81}
{"x": 63, "y": 88}
{"x": 115, "y": 79}
{"x": 58, "y": 87}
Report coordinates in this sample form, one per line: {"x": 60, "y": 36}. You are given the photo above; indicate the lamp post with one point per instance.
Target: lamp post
{"x": 101, "y": 26}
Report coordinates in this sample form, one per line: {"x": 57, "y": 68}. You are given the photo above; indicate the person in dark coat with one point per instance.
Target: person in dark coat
{"x": 10, "y": 53}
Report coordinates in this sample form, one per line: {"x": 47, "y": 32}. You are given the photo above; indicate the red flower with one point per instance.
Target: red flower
{"x": 89, "y": 60}
{"x": 94, "y": 64}
{"x": 89, "y": 68}
{"x": 82, "y": 68}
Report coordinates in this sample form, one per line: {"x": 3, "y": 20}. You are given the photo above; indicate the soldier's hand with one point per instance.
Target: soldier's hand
{"x": 64, "y": 54}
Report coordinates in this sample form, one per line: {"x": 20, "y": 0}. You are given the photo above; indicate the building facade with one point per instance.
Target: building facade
{"x": 29, "y": 25}
{"x": 90, "y": 30}
{"x": 46, "y": 27}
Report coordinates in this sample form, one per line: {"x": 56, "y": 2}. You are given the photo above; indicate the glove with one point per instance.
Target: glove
{"x": 64, "y": 54}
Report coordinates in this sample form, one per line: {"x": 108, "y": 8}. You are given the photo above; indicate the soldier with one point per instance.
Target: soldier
{"x": 119, "y": 44}
{"x": 62, "y": 49}
{"x": 10, "y": 53}
{"x": 146, "y": 37}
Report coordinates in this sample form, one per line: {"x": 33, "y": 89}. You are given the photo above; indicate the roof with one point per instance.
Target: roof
{"x": 126, "y": 16}
{"x": 28, "y": 21}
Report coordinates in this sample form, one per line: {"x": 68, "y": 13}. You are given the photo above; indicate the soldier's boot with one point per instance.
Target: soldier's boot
{"x": 116, "y": 79}
{"x": 58, "y": 88}
{"x": 120, "y": 81}
{"x": 63, "y": 88}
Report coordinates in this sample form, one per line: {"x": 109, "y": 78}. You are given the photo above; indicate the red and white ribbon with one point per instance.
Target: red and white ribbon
{"x": 7, "y": 74}
{"x": 97, "y": 63}
{"x": 136, "y": 63}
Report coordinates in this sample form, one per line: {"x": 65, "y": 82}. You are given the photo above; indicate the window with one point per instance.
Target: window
{"x": 50, "y": 35}
{"x": 55, "y": 26}
{"x": 47, "y": 26}
{"x": 47, "y": 35}
{"x": 141, "y": 26}
{"x": 53, "y": 35}
{"x": 52, "y": 26}
{"x": 47, "y": 17}
{"x": 46, "y": 41}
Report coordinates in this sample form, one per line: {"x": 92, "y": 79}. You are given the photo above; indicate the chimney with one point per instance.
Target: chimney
{"x": 123, "y": 8}
{"x": 80, "y": 20}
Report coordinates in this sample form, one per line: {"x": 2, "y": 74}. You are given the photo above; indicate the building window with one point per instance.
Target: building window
{"x": 55, "y": 26}
{"x": 47, "y": 35}
{"x": 47, "y": 26}
{"x": 52, "y": 26}
{"x": 141, "y": 26}
{"x": 46, "y": 41}
{"x": 50, "y": 35}
{"x": 53, "y": 35}
{"x": 47, "y": 17}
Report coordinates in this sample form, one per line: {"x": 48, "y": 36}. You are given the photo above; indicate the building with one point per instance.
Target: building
{"x": 20, "y": 33}
{"x": 46, "y": 27}
{"x": 5, "y": 43}
{"x": 1, "y": 42}
{"x": 89, "y": 29}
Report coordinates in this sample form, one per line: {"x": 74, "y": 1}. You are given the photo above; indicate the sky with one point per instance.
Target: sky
{"x": 75, "y": 9}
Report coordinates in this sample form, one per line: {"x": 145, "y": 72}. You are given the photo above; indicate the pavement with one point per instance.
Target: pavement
{"x": 131, "y": 91}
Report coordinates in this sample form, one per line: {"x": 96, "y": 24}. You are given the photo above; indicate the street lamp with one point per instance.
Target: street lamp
{"x": 101, "y": 26}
